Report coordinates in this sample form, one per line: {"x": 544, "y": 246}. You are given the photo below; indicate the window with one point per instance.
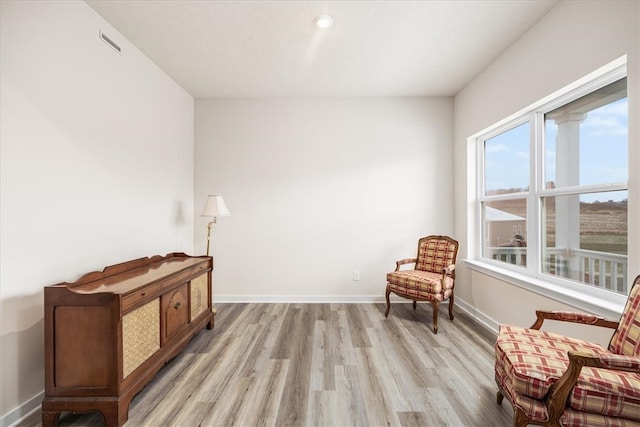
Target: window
{"x": 552, "y": 193}
{"x": 506, "y": 182}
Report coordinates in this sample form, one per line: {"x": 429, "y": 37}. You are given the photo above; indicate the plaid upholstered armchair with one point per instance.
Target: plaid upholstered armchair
{"x": 553, "y": 380}
{"x": 433, "y": 277}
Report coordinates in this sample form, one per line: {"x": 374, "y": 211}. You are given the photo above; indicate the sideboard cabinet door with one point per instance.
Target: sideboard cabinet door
{"x": 175, "y": 309}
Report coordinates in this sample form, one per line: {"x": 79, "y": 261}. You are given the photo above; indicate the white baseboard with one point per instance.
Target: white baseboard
{"x": 478, "y": 316}
{"x": 27, "y": 408}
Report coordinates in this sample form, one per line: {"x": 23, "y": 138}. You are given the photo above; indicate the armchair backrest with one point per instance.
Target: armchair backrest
{"x": 626, "y": 339}
{"x": 436, "y": 253}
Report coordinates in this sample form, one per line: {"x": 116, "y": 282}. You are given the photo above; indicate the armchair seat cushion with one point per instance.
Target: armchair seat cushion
{"x": 529, "y": 361}
{"x": 420, "y": 285}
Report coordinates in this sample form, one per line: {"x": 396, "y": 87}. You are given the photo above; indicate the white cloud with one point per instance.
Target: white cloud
{"x": 619, "y": 109}
{"x": 610, "y": 120}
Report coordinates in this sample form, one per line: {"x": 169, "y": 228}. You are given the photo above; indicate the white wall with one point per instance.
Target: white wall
{"x": 572, "y": 40}
{"x": 318, "y": 188}
{"x": 97, "y": 168}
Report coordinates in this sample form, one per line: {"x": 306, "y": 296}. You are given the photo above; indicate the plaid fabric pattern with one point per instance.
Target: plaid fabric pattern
{"x": 598, "y": 402}
{"x": 626, "y": 339}
{"x": 419, "y": 285}
{"x": 535, "y": 409}
{"x": 620, "y": 361}
{"x": 530, "y": 361}
{"x": 435, "y": 254}
{"x": 577, "y": 317}
{"x": 572, "y": 418}
{"x": 534, "y": 360}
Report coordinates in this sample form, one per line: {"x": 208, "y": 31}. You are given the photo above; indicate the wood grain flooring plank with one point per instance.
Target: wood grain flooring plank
{"x": 299, "y": 348}
{"x": 345, "y": 351}
{"x": 227, "y": 364}
{"x": 205, "y": 340}
{"x": 324, "y": 312}
{"x": 180, "y": 404}
{"x": 283, "y": 346}
{"x": 228, "y": 411}
{"x": 262, "y": 406}
{"x": 351, "y": 406}
{"x": 412, "y": 419}
{"x": 402, "y": 357}
{"x": 266, "y": 333}
{"x": 417, "y": 334}
{"x": 462, "y": 394}
{"x": 438, "y": 410}
{"x": 322, "y": 362}
{"x": 358, "y": 324}
{"x": 170, "y": 401}
{"x": 323, "y": 409}
{"x": 376, "y": 387}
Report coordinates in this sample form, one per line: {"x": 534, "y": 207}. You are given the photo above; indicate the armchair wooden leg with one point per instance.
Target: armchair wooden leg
{"x": 435, "y": 316}
{"x": 499, "y": 397}
{"x": 386, "y": 312}
{"x": 520, "y": 419}
{"x": 414, "y": 305}
{"x": 451, "y": 307}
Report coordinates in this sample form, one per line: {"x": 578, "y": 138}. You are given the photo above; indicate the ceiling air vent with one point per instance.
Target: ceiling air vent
{"x": 105, "y": 38}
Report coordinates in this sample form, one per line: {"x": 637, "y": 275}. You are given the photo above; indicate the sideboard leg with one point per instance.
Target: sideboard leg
{"x": 115, "y": 415}
{"x": 211, "y": 321}
{"x": 50, "y": 418}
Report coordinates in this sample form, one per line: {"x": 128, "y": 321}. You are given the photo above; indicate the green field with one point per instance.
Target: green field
{"x": 603, "y": 226}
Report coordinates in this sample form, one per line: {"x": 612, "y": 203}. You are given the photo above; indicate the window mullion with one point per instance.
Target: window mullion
{"x": 480, "y": 166}
{"x": 533, "y": 201}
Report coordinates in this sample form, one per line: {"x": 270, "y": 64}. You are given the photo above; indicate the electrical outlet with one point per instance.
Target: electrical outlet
{"x": 356, "y": 275}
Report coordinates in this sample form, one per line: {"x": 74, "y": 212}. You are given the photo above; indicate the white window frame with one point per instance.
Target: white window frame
{"x": 595, "y": 300}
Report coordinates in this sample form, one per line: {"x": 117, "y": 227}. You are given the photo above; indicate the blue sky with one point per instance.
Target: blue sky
{"x": 603, "y": 153}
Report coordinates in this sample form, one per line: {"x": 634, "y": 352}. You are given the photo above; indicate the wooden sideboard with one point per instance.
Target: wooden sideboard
{"x": 108, "y": 333}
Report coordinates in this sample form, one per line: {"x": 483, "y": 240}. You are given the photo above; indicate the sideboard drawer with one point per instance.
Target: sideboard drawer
{"x": 140, "y": 295}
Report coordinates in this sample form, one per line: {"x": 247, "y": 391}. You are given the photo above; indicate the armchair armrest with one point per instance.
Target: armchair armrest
{"x": 405, "y": 261}
{"x": 567, "y": 316}
{"x": 448, "y": 270}
{"x": 559, "y": 392}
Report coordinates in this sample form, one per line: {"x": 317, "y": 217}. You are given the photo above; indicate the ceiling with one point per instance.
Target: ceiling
{"x": 272, "y": 48}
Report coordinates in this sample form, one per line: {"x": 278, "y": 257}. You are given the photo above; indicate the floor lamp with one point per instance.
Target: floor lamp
{"x": 215, "y": 207}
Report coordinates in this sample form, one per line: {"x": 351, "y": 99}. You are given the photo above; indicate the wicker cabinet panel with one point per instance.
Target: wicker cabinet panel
{"x": 140, "y": 335}
{"x": 199, "y": 295}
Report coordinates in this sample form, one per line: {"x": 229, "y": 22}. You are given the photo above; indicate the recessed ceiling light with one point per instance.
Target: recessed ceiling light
{"x": 323, "y": 21}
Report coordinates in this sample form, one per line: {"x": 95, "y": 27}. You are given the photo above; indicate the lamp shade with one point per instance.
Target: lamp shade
{"x": 215, "y": 206}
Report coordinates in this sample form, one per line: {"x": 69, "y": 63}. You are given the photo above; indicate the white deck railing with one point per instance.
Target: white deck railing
{"x": 598, "y": 269}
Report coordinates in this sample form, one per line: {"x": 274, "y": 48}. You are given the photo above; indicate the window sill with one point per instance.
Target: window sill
{"x": 609, "y": 307}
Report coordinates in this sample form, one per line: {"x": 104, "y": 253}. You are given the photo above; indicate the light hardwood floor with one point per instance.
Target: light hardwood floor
{"x": 323, "y": 365}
